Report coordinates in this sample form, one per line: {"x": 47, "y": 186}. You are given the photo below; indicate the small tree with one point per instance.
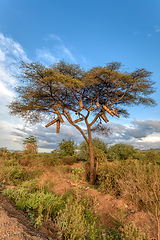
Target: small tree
{"x": 67, "y": 147}
{"x": 30, "y": 145}
{"x": 65, "y": 90}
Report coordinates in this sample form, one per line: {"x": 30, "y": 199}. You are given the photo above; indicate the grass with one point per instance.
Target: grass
{"x": 72, "y": 213}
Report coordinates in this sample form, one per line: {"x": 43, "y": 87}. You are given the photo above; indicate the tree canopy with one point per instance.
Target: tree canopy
{"x": 66, "y": 90}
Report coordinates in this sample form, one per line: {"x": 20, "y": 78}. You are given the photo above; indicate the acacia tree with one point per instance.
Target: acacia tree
{"x": 65, "y": 90}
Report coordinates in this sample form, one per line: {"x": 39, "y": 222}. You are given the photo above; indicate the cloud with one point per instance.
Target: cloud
{"x": 157, "y": 28}
{"x": 140, "y": 134}
{"x": 11, "y": 53}
{"x": 47, "y": 138}
{"x": 56, "y": 52}
{"x": 45, "y": 55}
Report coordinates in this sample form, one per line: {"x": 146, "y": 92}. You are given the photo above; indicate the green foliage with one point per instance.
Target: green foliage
{"x": 30, "y": 197}
{"x": 99, "y": 147}
{"x": 67, "y": 147}
{"x": 152, "y": 156}
{"x": 76, "y": 175}
{"x": 120, "y": 151}
{"x": 30, "y": 139}
{"x": 14, "y": 174}
{"x": 119, "y": 221}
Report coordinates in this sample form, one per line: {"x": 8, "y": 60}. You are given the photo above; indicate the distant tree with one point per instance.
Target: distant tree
{"x": 65, "y": 90}
{"x": 67, "y": 147}
{"x": 30, "y": 145}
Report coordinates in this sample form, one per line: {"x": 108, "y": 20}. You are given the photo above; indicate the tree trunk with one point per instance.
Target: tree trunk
{"x": 92, "y": 170}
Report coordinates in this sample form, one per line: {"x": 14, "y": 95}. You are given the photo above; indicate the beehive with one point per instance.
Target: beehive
{"x": 97, "y": 103}
{"x": 103, "y": 116}
{"x": 58, "y": 126}
{"x": 68, "y": 115}
{"x": 108, "y": 110}
{"x": 59, "y": 116}
{"x": 78, "y": 120}
{"x": 52, "y": 122}
{"x": 115, "y": 113}
{"x": 90, "y": 108}
{"x": 81, "y": 104}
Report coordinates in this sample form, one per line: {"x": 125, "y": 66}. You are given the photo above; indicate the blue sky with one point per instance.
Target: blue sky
{"x": 89, "y": 33}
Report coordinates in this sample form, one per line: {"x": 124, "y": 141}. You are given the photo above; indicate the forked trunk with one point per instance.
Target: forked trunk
{"x": 92, "y": 169}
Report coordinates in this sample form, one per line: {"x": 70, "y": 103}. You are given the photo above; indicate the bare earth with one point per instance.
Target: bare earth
{"x": 15, "y": 224}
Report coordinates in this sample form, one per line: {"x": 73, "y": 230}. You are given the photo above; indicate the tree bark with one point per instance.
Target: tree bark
{"x": 92, "y": 169}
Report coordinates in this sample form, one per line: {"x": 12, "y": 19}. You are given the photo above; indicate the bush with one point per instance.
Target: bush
{"x": 14, "y": 174}
{"x": 68, "y": 160}
{"x": 152, "y": 156}
{"x": 120, "y": 151}
{"x": 67, "y": 147}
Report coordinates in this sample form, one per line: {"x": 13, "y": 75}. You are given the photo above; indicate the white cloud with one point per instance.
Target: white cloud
{"x": 11, "y": 53}
{"x": 56, "y": 52}
{"x": 45, "y": 55}
{"x": 157, "y": 28}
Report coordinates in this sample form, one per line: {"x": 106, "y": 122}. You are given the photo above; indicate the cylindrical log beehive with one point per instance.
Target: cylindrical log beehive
{"x": 108, "y": 110}
{"x": 59, "y": 116}
{"x": 68, "y": 115}
{"x": 90, "y": 108}
{"x": 103, "y": 116}
{"x": 58, "y": 126}
{"x": 97, "y": 103}
{"x": 52, "y": 122}
{"x": 78, "y": 120}
{"x": 81, "y": 104}
{"x": 115, "y": 113}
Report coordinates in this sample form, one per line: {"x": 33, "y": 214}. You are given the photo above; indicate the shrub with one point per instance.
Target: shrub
{"x": 120, "y": 151}
{"x": 68, "y": 160}
{"x": 152, "y": 156}
{"x": 67, "y": 147}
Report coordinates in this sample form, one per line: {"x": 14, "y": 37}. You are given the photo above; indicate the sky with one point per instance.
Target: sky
{"x": 89, "y": 33}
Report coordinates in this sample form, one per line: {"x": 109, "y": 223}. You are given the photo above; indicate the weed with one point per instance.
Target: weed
{"x": 131, "y": 232}
{"x": 119, "y": 221}
{"x": 76, "y": 175}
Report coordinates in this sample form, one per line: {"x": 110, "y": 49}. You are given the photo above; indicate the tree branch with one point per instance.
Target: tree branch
{"x": 76, "y": 126}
